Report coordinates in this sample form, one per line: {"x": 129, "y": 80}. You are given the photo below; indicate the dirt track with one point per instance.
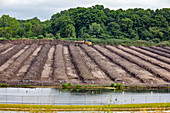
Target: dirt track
{"x": 54, "y": 62}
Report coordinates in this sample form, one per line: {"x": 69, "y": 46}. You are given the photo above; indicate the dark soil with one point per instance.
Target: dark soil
{"x": 54, "y": 62}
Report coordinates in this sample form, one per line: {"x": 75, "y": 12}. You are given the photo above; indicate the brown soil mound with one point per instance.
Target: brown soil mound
{"x": 54, "y": 62}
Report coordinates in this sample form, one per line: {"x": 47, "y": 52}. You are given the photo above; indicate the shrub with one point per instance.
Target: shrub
{"x": 119, "y": 86}
{"x": 40, "y": 37}
{"x": 4, "y": 85}
{"x": 64, "y": 85}
{"x": 17, "y": 36}
{"x": 104, "y": 36}
{"x": 70, "y": 84}
{"x": 112, "y": 85}
{"x": 8, "y": 36}
{"x": 78, "y": 85}
{"x": 58, "y": 36}
{"x": 34, "y": 37}
{"x": 156, "y": 40}
{"x": 86, "y": 35}
{"x": 50, "y": 35}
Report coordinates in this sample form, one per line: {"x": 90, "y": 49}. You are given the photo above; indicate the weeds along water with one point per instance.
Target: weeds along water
{"x": 90, "y": 112}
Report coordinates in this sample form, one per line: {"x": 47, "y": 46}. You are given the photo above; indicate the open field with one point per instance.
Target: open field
{"x": 54, "y": 62}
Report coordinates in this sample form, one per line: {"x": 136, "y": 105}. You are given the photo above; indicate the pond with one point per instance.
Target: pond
{"x": 55, "y": 96}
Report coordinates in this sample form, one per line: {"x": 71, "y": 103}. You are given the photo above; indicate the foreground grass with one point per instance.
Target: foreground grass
{"x": 125, "y": 107}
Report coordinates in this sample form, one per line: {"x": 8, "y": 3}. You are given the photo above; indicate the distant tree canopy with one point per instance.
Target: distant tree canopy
{"x": 93, "y": 22}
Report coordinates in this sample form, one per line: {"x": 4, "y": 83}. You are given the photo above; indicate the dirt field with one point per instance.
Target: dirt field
{"x": 54, "y": 62}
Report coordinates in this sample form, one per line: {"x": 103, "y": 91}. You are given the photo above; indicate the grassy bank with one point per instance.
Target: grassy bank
{"x": 125, "y": 42}
{"x": 78, "y": 86}
{"x": 126, "y": 107}
{"x": 63, "y": 86}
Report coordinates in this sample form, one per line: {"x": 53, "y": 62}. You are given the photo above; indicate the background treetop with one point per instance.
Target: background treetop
{"x": 95, "y": 22}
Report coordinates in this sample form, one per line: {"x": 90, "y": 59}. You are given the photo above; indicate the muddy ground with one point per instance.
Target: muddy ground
{"x": 54, "y": 62}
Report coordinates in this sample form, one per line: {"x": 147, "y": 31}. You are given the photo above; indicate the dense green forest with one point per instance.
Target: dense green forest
{"x": 95, "y": 22}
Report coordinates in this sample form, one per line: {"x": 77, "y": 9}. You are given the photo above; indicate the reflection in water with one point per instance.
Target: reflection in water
{"x": 162, "y": 90}
{"x": 101, "y": 91}
{"x": 81, "y": 96}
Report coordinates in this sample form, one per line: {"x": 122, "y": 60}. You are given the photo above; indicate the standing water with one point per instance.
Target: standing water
{"x": 81, "y": 97}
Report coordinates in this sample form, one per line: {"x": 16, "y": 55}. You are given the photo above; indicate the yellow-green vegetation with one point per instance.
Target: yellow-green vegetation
{"x": 67, "y": 86}
{"x": 118, "y": 86}
{"x": 125, "y": 107}
{"x": 17, "y": 85}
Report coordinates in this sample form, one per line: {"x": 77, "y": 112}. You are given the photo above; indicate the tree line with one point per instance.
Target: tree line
{"x": 94, "y": 22}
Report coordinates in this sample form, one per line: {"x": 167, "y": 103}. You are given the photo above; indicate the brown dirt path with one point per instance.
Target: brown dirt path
{"x": 26, "y": 65}
{"x": 133, "y": 69}
{"x": 5, "y": 47}
{"x": 157, "y": 71}
{"x": 48, "y": 69}
{"x": 166, "y": 47}
{"x": 13, "y": 66}
{"x": 36, "y": 68}
{"x": 7, "y": 50}
{"x": 10, "y": 53}
{"x": 115, "y": 72}
{"x": 153, "y": 55}
{"x": 59, "y": 72}
{"x": 12, "y": 70}
{"x": 161, "y": 49}
{"x": 146, "y": 58}
{"x": 82, "y": 69}
{"x": 11, "y": 60}
{"x": 156, "y": 51}
{"x": 70, "y": 69}
{"x": 95, "y": 70}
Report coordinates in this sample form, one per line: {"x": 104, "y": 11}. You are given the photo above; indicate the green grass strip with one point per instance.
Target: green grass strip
{"x": 125, "y": 107}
